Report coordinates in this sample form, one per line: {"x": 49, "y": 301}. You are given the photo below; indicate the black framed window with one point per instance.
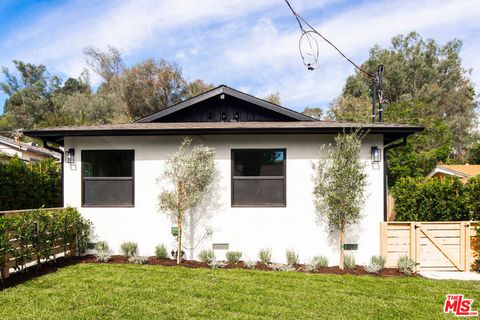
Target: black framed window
{"x": 258, "y": 177}
{"x": 108, "y": 178}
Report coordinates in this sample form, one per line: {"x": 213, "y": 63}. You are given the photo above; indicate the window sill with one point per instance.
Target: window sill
{"x": 259, "y": 206}
{"x": 108, "y": 206}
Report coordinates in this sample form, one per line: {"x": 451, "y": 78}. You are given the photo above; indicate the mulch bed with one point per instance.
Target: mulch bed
{"x": 33, "y": 272}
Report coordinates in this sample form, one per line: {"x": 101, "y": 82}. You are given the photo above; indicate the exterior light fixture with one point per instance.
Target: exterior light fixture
{"x": 376, "y": 154}
{"x": 70, "y": 156}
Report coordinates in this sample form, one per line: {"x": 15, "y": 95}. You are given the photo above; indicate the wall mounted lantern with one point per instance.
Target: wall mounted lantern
{"x": 70, "y": 156}
{"x": 376, "y": 154}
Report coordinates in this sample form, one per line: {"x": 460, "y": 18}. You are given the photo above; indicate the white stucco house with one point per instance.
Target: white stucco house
{"x": 262, "y": 197}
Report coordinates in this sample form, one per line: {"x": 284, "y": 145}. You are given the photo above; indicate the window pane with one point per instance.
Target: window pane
{"x": 258, "y": 192}
{"x": 266, "y": 162}
{"x": 107, "y": 163}
{"x": 105, "y": 192}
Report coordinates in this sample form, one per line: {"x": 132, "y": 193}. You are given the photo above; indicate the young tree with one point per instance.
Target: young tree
{"x": 339, "y": 185}
{"x": 188, "y": 172}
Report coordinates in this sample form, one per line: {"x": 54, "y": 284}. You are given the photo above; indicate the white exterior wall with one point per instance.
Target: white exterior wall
{"x": 244, "y": 229}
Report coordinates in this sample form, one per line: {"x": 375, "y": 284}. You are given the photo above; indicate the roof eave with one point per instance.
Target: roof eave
{"x": 57, "y": 136}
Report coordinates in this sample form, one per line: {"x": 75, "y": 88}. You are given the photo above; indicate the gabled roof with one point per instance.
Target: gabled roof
{"x": 23, "y": 146}
{"x": 462, "y": 171}
{"x": 223, "y": 89}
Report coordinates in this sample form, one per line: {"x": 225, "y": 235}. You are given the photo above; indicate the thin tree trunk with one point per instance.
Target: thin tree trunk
{"x": 179, "y": 223}
{"x": 342, "y": 230}
{"x": 192, "y": 234}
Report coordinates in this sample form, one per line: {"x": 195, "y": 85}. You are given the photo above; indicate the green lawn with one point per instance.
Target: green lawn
{"x": 97, "y": 291}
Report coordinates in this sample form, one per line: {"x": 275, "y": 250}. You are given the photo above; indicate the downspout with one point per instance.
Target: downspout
{"x": 46, "y": 146}
{"x": 387, "y": 147}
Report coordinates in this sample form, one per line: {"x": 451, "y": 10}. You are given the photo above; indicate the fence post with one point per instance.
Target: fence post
{"x": 383, "y": 239}
{"x": 418, "y": 253}
{"x": 463, "y": 245}
{"x": 413, "y": 244}
{"x": 468, "y": 245}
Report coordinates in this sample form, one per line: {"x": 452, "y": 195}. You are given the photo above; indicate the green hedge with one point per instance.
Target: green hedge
{"x": 447, "y": 199}
{"x": 28, "y": 186}
{"x": 39, "y": 232}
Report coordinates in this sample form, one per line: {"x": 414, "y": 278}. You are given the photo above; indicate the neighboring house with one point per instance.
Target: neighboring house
{"x": 25, "y": 151}
{"x": 263, "y": 196}
{"x": 464, "y": 171}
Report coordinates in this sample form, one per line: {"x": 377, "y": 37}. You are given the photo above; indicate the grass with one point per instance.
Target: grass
{"x": 108, "y": 291}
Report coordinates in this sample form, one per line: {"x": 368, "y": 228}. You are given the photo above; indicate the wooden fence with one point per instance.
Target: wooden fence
{"x": 10, "y": 263}
{"x": 434, "y": 246}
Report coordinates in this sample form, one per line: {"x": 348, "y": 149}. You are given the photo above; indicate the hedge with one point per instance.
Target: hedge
{"x": 39, "y": 232}
{"x": 437, "y": 199}
{"x": 29, "y": 185}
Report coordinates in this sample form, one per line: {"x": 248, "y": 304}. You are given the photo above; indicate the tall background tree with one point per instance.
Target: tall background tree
{"x": 188, "y": 172}
{"x": 38, "y": 99}
{"x": 339, "y": 185}
{"x": 424, "y": 84}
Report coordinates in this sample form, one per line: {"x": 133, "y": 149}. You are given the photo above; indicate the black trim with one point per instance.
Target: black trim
{"x": 57, "y": 136}
{"x": 128, "y": 205}
{"x": 284, "y": 178}
{"x": 385, "y": 174}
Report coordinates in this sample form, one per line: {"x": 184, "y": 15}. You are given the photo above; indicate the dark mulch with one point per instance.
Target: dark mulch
{"x": 33, "y": 272}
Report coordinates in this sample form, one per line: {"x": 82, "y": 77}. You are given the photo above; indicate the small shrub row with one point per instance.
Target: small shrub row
{"x": 39, "y": 231}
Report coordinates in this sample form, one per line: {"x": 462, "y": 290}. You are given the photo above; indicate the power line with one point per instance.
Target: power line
{"x": 305, "y": 33}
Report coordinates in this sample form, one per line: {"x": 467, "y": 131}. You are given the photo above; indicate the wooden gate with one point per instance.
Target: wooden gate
{"x": 434, "y": 246}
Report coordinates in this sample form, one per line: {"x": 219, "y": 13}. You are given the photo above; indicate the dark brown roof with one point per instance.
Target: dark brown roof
{"x": 391, "y": 131}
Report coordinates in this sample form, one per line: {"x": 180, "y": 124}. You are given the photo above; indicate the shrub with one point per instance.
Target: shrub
{"x": 349, "y": 261}
{"x": 445, "y": 199}
{"x": 265, "y": 256}
{"x": 233, "y": 256}
{"x": 250, "y": 264}
{"x": 316, "y": 263}
{"x": 319, "y": 262}
{"x": 102, "y": 251}
{"x": 129, "y": 249}
{"x": 378, "y": 260}
{"x": 372, "y": 268}
{"x": 406, "y": 265}
{"x": 292, "y": 257}
{"x": 39, "y": 231}
{"x": 138, "y": 260}
{"x": 161, "y": 251}
{"x": 281, "y": 267}
{"x": 206, "y": 256}
{"x": 30, "y": 185}
{"x": 217, "y": 264}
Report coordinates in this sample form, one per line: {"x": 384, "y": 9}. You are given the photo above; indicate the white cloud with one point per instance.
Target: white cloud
{"x": 252, "y": 45}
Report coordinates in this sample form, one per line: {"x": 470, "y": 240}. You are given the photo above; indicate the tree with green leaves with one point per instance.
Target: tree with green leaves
{"x": 29, "y": 93}
{"x": 274, "y": 98}
{"x": 424, "y": 84}
{"x": 339, "y": 185}
{"x": 316, "y": 113}
{"x": 188, "y": 173}
{"x": 195, "y": 88}
{"x": 151, "y": 86}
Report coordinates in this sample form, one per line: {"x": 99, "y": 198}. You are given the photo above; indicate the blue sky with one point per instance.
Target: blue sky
{"x": 251, "y": 45}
